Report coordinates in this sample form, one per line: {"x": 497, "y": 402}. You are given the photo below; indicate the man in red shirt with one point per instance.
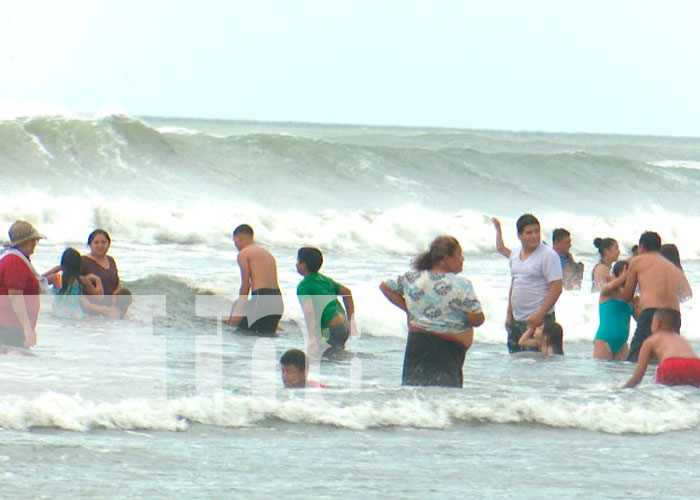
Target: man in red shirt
{"x": 19, "y": 288}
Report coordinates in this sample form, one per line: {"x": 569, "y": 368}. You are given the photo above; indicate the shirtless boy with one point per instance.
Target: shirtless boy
{"x": 658, "y": 284}
{"x": 259, "y": 277}
{"x": 293, "y": 364}
{"x": 679, "y": 365}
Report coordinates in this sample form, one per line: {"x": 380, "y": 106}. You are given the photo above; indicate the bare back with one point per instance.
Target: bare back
{"x": 658, "y": 281}
{"x": 259, "y": 266}
{"x": 666, "y": 345}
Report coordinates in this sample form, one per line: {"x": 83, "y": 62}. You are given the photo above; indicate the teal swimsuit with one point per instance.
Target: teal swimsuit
{"x": 614, "y": 325}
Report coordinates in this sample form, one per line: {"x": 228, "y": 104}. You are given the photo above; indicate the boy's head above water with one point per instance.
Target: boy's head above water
{"x": 293, "y": 364}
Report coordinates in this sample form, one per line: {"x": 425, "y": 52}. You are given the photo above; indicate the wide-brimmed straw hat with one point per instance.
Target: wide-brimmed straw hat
{"x": 22, "y": 231}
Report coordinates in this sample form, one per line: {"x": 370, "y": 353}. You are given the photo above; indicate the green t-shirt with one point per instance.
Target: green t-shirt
{"x": 322, "y": 291}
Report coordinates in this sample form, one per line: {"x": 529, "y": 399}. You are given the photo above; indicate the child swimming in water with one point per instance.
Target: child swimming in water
{"x": 294, "y": 370}
{"x": 547, "y": 338}
{"x": 678, "y": 362}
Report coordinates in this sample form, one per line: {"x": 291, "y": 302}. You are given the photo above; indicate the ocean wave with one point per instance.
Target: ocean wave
{"x": 341, "y": 188}
{"x": 402, "y": 230}
{"x": 176, "y": 163}
{"x": 650, "y": 410}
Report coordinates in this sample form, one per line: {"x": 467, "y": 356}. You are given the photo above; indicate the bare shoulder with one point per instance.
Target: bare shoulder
{"x": 262, "y": 252}
{"x": 255, "y": 253}
{"x": 672, "y": 345}
{"x": 244, "y": 254}
{"x": 667, "y": 263}
{"x": 651, "y": 345}
{"x": 635, "y": 262}
{"x": 654, "y": 339}
{"x": 666, "y": 339}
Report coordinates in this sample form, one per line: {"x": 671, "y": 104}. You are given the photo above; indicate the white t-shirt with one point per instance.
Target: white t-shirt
{"x": 531, "y": 279}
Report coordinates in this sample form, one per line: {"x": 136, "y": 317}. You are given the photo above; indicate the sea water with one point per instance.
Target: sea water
{"x": 171, "y": 403}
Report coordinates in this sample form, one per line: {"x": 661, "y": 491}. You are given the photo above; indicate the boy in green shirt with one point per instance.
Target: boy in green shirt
{"x": 325, "y": 317}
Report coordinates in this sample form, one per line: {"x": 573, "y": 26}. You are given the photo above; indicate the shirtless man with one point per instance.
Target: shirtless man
{"x": 658, "y": 284}
{"x": 679, "y": 365}
{"x": 258, "y": 276}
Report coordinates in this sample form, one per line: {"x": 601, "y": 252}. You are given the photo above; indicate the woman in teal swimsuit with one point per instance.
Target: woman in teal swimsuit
{"x": 611, "y": 338}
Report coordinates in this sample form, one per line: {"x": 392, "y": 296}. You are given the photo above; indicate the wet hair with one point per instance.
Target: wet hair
{"x": 670, "y": 251}
{"x": 294, "y": 357}
{"x": 603, "y": 244}
{"x": 96, "y": 232}
{"x": 651, "y": 241}
{"x": 554, "y": 334}
{"x": 70, "y": 268}
{"x": 559, "y": 234}
{"x": 524, "y": 221}
{"x": 620, "y": 267}
{"x": 667, "y": 319}
{"x": 123, "y": 299}
{"x": 311, "y": 257}
{"x": 243, "y": 229}
{"x": 442, "y": 246}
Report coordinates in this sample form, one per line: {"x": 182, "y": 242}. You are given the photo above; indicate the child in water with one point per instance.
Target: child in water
{"x": 70, "y": 289}
{"x": 325, "y": 318}
{"x": 69, "y": 301}
{"x": 294, "y": 369}
{"x": 549, "y": 338}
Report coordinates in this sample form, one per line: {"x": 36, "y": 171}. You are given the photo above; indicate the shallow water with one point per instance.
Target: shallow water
{"x": 172, "y": 404}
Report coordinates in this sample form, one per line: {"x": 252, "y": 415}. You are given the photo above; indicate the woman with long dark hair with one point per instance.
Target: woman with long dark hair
{"x": 442, "y": 311}
{"x": 609, "y": 251}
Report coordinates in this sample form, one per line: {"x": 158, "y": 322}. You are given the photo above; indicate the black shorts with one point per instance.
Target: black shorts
{"x": 516, "y": 330}
{"x": 643, "y": 330}
{"x": 432, "y": 361}
{"x": 336, "y": 336}
{"x": 263, "y": 312}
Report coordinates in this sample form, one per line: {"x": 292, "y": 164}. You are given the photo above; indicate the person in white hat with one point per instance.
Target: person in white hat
{"x": 19, "y": 288}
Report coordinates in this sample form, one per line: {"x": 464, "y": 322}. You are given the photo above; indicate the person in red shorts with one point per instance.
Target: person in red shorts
{"x": 678, "y": 363}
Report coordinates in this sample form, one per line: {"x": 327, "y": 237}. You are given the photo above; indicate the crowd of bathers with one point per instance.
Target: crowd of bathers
{"x": 441, "y": 307}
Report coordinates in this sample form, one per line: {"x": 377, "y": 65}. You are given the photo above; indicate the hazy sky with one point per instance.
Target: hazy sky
{"x": 588, "y": 66}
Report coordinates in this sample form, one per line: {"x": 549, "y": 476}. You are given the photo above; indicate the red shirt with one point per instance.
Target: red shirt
{"x": 15, "y": 274}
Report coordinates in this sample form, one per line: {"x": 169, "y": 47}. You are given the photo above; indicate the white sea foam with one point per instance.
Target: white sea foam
{"x": 650, "y": 410}
{"x": 404, "y": 230}
{"x": 177, "y": 130}
{"x": 693, "y": 165}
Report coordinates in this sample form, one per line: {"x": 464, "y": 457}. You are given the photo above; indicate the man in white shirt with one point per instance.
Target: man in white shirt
{"x": 536, "y": 282}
